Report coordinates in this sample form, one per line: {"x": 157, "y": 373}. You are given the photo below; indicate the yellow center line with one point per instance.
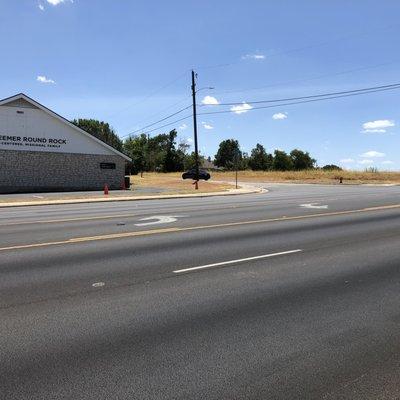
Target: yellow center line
{"x": 115, "y": 216}
{"x": 192, "y": 228}
{"x": 271, "y": 201}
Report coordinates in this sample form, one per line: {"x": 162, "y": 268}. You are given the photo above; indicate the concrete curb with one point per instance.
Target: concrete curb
{"x": 230, "y": 192}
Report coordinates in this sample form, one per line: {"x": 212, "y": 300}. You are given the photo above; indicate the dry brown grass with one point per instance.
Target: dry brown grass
{"x": 311, "y": 176}
{"x": 155, "y": 183}
{"x": 172, "y": 183}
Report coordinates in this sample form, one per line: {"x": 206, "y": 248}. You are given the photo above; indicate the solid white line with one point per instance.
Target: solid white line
{"x": 237, "y": 261}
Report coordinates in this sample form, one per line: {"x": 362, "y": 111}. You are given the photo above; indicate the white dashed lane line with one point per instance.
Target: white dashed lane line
{"x": 240, "y": 260}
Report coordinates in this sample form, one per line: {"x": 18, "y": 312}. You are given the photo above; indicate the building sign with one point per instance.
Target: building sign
{"x": 40, "y": 131}
{"x": 31, "y": 142}
{"x": 107, "y": 165}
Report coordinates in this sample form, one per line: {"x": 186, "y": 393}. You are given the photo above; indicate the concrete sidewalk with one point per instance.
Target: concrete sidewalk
{"x": 98, "y": 197}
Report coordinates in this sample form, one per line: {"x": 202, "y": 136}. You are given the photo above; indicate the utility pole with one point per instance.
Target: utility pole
{"x": 236, "y": 167}
{"x": 148, "y": 152}
{"x": 196, "y": 149}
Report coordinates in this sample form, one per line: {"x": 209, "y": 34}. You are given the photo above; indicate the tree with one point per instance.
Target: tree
{"x": 101, "y": 130}
{"x": 136, "y": 148}
{"x": 173, "y": 161}
{"x": 244, "y": 163}
{"x": 282, "y": 161}
{"x": 260, "y": 160}
{"x": 184, "y": 147}
{"x": 301, "y": 160}
{"x": 157, "y": 146}
{"x": 158, "y": 153}
{"x": 228, "y": 154}
{"x": 190, "y": 161}
{"x": 331, "y": 167}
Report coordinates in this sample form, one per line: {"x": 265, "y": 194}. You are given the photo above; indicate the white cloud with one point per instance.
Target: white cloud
{"x": 377, "y": 126}
{"x": 189, "y": 140}
{"x": 347, "y": 161}
{"x": 380, "y": 123}
{"x": 241, "y": 108}
{"x": 57, "y": 2}
{"x": 210, "y": 100}
{"x": 256, "y": 56}
{"x": 279, "y": 116}
{"x": 182, "y": 127}
{"x": 366, "y": 162}
{"x": 387, "y": 162}
{"x": 372, "y": 154}
{"x": 43, "y": 79}
{"x": 41, "y": 6}
{"x": 207, "y": 126}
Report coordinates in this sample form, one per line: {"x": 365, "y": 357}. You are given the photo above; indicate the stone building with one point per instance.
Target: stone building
{"x": 42, "y": 151}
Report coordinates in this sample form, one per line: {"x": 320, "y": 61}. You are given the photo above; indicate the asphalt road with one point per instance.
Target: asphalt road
{"x": 291, "y": 294}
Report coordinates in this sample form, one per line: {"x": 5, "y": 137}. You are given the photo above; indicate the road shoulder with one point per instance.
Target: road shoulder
{"x": 244, "y": 189}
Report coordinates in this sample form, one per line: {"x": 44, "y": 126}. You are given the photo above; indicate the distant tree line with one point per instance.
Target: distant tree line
{"x": 161, "y": 153}
{"x": 158, "y": 153}
{"x": 229, "y": 156}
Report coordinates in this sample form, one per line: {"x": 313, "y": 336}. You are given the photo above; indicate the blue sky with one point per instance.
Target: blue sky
{"x": 129, "y": 63}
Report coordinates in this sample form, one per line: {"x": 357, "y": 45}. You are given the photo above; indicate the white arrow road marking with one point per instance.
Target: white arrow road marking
{"x": 161, "y": 219}
{"x": 313, "y": 205}
{"x": 240, "y": 260}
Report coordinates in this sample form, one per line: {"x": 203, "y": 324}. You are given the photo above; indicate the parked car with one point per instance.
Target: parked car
{"x": 191, "y": 174}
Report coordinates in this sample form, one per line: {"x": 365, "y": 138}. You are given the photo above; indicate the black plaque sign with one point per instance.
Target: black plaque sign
{"x": 107, "y": 165}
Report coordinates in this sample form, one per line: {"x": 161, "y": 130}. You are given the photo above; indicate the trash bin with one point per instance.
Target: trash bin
{"x": 127, "y": 182}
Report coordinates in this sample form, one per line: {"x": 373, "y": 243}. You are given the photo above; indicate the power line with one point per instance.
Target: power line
{"x": 260, "y": 88}
{"x": 306, "y": 47}
{"x": 299, "y": 100}
{"x": 157, "y": 122}
{"x": 393, "y": 85}
{"x": 151, "y": 94}
{"x": 303, "y": 101}
{"x": 162, "y": 126}
{"x": 162, "y": 110}
{"x": 349, "y": 71}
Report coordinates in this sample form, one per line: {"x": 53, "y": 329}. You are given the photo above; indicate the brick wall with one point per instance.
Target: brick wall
{"x": 30, "y": 171}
